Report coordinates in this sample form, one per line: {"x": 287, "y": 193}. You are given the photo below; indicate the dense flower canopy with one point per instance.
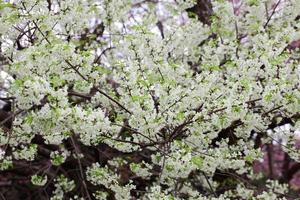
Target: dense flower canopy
{"x": 148, "y": 99}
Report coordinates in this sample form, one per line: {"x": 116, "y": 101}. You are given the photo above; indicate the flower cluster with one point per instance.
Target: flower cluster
{"x": 132, "y": 99}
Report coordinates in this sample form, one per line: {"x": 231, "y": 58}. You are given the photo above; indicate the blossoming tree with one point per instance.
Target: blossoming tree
{"x": 147, "y": 99}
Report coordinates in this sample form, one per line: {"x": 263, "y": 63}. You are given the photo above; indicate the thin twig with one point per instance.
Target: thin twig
{"x": 210, "y": 187}
{"x": 273, "y": 12}
{"x": 77, "y": 152}
{"x": 44, "y": 36}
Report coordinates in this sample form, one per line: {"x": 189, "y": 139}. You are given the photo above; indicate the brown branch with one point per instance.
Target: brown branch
{"x": 77, "y": 94}
{"x": 270, "y": 160}
{"x": 203, "y": 9}
{"x": 272, "y": 110}
{"x": 11, "y": 116}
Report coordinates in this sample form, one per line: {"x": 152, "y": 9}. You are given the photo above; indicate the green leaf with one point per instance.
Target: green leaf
{"x": 253, "y": 2}
{"x": 5, "y": 5}
{"x": 169, "y": 168}
{"x": 268, "y": 97}
{"x": 135, "y": 167}
{"x": 38, "y": 180}
{"x": 249, "y": 158}
{"x": 18, "y": 83}
{"x": 198, "y": 161}
{"x": 236, "y": 108}
{"x": 56, "y": 81}
{"x": 180, "y": 116}
{"x": 246, "y": 84}
{"x": 29, "y": 119}
{"x": 138, "y": 98}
